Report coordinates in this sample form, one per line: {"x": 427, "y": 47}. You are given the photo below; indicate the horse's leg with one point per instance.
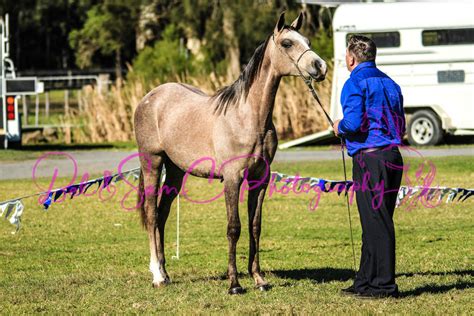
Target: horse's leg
{"x": 169, "y": 191}
{"x": 151, "y": 180}
{"x": 232, "y": 187}
{"x": 255, "y": 201}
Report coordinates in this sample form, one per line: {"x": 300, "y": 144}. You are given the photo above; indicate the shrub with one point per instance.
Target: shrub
{"x": 167, "y": 58}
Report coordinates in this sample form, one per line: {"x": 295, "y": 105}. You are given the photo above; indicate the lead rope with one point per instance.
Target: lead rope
{"x": 315, "y": 96}
{"x": 308, "y": 82}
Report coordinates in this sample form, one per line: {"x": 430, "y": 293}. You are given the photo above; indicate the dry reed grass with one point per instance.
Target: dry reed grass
{"x": 109, "y": 117}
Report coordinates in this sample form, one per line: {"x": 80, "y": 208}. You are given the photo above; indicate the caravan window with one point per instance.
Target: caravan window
{"x": 381, "y": 39}
{"x": 448, "y": 37}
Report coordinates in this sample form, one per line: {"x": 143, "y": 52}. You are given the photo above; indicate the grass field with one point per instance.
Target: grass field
{"x": 32, "y": 152}
{"x": 85, "y": 255}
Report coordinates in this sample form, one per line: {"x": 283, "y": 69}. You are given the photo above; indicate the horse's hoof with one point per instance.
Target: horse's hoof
{"x": 236, "y": 290}
{"x": 161, "y": 283}
{"x": 264, "y": 287}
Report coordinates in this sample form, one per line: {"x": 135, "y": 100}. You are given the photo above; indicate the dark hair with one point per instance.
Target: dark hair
{"x": 362, "y": 47}
{"x": 229, "y": 95}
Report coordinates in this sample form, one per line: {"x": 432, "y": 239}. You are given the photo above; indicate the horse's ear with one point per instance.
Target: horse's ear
{"x": 298, "y": 22}
{"x": 281, "y": 23}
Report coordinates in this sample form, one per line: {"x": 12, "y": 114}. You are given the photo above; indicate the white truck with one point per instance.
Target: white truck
{"x": 428, "y": 49}
{"x": 11, "y": 88}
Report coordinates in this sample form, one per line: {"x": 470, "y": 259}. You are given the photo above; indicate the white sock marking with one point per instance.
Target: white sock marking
{"x": 155, "y": 269}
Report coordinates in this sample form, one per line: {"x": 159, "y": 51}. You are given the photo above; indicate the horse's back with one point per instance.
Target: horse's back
{"x": 173, "y": 113}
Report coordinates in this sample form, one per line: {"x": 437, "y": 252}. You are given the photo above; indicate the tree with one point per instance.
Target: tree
{"x": 232, "y": 41}
{"x": 109, "y": 30}
{"x": 221, "y": 34}
{"x": 39, "y": 31}
{"x": 166, "y": 59}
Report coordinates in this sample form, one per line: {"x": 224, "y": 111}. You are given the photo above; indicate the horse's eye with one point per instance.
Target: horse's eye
{"x": 286, "y": 44}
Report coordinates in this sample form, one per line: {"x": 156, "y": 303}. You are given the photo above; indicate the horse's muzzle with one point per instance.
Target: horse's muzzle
{"x": 318, "y": 77}
{"x": 320, "y": 70}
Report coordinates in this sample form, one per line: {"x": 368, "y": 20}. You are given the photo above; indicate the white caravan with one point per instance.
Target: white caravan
{"x": 428, "y": 49}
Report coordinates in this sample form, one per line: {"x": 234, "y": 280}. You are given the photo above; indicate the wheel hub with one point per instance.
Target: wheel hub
{"x": 422, "y": 131}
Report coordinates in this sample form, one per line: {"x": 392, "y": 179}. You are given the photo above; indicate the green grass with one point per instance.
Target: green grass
{"x": 56, "y": 111}
{"x": 466, "y": 144}
{"x": 84, "y": 255}
{"x": 54, "y": 118}
{"x": 32, "y": 152}
{"x": 311, "y": 148}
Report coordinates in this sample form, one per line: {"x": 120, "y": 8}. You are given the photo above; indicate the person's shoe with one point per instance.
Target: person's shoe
{"x": 349, "y": 291}
{"x": 371, "y": 296}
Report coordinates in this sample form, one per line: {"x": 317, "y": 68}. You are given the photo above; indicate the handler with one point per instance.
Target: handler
{"x": 373, "y": 126}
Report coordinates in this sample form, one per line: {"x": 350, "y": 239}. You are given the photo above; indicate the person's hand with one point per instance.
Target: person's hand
{"x": 335, "y": 127}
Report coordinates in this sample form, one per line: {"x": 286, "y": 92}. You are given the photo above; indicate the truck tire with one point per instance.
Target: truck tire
{"x": 424, "y": 129}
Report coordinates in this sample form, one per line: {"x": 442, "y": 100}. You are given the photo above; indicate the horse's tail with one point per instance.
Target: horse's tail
{"x": 141, "y": 199}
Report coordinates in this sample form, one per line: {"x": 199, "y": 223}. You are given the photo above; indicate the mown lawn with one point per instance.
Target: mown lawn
{"x": 85, "y": 255}
{"x": 33, "y": 152}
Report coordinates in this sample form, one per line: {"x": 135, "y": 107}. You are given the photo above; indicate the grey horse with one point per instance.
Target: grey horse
{"x": 177, "y": 124}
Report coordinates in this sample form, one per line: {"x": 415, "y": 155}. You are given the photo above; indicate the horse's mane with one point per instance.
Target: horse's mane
{"x": 231, "y": 94}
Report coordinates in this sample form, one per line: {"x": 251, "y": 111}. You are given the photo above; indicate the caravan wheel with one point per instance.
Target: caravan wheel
{"x": 424, "y": 129}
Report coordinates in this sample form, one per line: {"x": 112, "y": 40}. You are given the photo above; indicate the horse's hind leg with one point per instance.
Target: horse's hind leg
{"x": 149, "y": 189}
{"x": 169, "y": 191}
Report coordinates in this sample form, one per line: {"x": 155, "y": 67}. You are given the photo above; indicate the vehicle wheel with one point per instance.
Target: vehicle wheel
{"x": 424, "y": 129}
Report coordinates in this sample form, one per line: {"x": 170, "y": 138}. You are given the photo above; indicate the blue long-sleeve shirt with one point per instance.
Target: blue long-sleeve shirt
{"x": 372, "y": 104}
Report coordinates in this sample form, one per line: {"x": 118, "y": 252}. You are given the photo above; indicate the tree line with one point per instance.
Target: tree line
{"x": 157, "y": 38}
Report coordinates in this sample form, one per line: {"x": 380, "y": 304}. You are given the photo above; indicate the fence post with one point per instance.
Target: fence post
{"x": 103, "y": 83}
{"x": 46, "y": 97}
{"x": 79, "y": 101}
{"x": 37, "y": 110}
{"x": 25, "y": 110}
{"x": 66, "y": 102}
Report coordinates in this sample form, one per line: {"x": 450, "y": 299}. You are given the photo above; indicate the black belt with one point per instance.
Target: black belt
{"x": 372, "y": 149}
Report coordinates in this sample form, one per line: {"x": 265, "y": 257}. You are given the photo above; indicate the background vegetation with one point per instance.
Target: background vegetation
{"x": 216, "y": 35}
{"x": 147, "y": 42}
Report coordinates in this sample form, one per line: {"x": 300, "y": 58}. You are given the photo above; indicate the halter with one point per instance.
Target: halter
{"x": 293, "y": 62}
{"x": 307, "y": 81}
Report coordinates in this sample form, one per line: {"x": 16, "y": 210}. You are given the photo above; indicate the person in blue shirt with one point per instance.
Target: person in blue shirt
{"x": 372, "y": 127}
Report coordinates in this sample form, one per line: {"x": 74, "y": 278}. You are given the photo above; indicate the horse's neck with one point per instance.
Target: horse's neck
{"x": 261, "y": 98}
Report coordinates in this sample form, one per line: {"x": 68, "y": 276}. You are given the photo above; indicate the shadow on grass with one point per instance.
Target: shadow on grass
{"x": 333, "y": 274}
{"x": 318, "y": 275}
{"x": 466, "y": 139}
{"x": 437, "y": 288}
{"x": 219, "y": 277}
{"x": 437, "y": 273}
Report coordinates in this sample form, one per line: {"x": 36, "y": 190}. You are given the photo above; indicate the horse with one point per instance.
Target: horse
{"x": 177, "y": 124}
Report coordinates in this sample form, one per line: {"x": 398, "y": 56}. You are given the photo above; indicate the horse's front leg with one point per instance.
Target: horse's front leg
{"x": 255, "y": 201}
{"x": 232, "y": 187}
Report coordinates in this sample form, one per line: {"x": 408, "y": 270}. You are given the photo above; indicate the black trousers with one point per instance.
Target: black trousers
{"x": 377, "y": 176}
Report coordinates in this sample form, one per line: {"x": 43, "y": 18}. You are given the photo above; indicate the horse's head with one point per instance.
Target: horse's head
{"x": 291, "y": 52}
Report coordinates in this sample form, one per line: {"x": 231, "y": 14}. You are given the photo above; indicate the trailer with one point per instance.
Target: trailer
{"x": 11, "y": 88}
{"x": 428, "y": 49}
